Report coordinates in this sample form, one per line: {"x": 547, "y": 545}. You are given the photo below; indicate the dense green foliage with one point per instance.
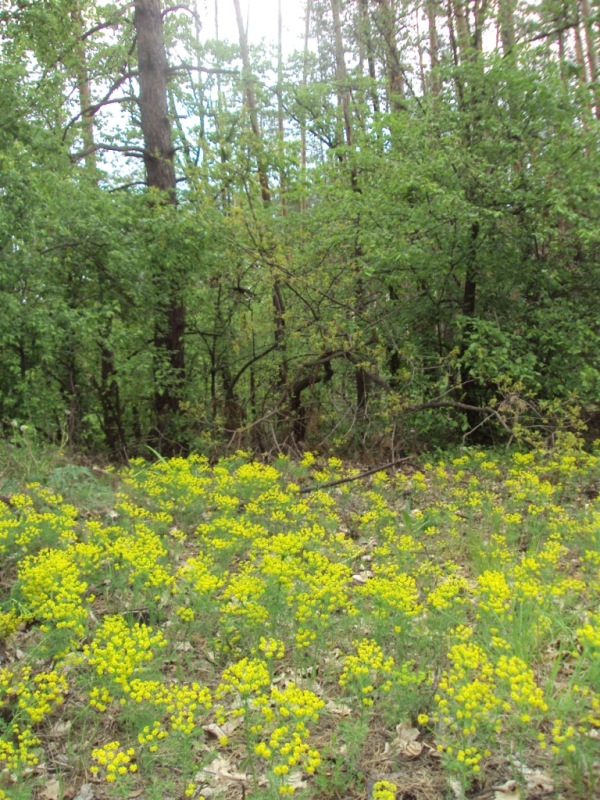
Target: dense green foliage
{"x": 388, "y": 221}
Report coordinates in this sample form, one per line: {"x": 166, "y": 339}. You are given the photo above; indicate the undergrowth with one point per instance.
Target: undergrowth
{"x": 180, "y": 630}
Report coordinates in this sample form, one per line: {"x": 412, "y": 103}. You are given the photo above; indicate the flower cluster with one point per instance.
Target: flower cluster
{"x": 53, "y": 588}
{"x": 367, "y": 670}
{"x": 384, "y": 790}
{"x": 118, "y": 650}
{"x": 112, "y": 761}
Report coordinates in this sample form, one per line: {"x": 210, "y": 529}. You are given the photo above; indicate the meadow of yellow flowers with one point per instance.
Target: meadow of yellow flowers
{"x": 220, "y": 633}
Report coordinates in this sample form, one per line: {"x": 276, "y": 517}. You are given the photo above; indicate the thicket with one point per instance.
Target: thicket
{"x": 387, "y": 241}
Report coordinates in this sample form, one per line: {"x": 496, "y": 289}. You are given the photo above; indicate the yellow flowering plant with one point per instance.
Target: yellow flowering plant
{"x": 218, "y": 612}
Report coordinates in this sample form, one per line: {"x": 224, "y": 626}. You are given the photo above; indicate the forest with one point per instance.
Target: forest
{"x": 299, "y": 400}
{"x": 384, "y": 241}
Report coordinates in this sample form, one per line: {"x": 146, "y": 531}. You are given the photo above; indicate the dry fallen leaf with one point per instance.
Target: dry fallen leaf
{"x": 338, "y": 708}
{"x": 85, "y": 793}
{"x": 214, "y": 730}
{"x": 509, "y": 786}
{"x": 406, "y": 743}
{"x": 221, "y": 770}
{"x": 538, "y": 781}
{"x": 535, "y": 780}
{"x": 406, "y": 733}
{"x": 457, "y": 789}
{"x": 51, "y": 790}
{"x": 295, "y": 779}
{"x": 507, "y": 791}
{"x": 412, "y": 749}
{"x": 61, "y": 728}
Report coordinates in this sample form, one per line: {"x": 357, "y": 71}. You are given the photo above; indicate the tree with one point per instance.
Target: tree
{"x": 169, "y": 323}
{"x": 424, "y": 203}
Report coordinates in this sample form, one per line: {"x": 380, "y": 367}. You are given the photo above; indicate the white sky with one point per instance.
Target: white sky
{"x": 262, "y": 21}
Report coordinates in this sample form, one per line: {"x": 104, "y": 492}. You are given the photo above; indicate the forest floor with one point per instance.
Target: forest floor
{"x": 178, "y": 629}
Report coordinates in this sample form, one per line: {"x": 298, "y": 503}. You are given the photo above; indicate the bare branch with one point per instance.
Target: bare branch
{"x": 93, "y": 109}
{"x": 107, "y": 23}
{"x": 126, "y": 186}
{"x": 252, "y": 361}
{"x": 362, "y": 475}
{"x": 183, "y": 7}
{"x": 129, "y": 150}
{"x": 175, "y": 68}
{"x": 492, "y": 412}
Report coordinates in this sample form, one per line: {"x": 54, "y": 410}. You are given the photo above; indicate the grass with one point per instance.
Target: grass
{"x": 184, "y": 630}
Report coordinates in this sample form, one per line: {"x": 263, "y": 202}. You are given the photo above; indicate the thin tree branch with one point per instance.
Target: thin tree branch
{"x": 208, "y": 70}
{"x": 107, "y": 23}
{"x": 126, "y": 186}
{"x": 133, "y": 152}
{"x": 359, "y": 477}
{"x": 460, "y": 407}
{"x": 93, "y": 109}
{"x": 252, "y": 361}
{"x": 183, "y": 7}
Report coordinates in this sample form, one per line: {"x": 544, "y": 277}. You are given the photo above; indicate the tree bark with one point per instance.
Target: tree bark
{"x": 469, "y": 393}
{"x": 108, "y": 387}
{"x": 361, "y": 381}
{"x": 434, "y": 48}
{"x": 250, "y": 96}
{"x": 341, "y": 73}
{"x": 160, "y": 171}
{"x": 84, "y": 90}
{"x": 366, "y": 35}
{"x": 387, "y": 28}
{"x": 506, "y": 15}
{"x": 263, "y": 178}
{"x": 305, "y": 54}
{"x": 592, "y": 56}
{"x": 156, "y": 128}
{"x": 280, "y": 116}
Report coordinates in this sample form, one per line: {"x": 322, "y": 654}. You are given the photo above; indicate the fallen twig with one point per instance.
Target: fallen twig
{"x": 359, "y": 477}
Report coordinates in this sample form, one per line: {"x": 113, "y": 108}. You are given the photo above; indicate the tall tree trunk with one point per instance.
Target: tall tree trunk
{"x": 588, "y": 20}
{"x": 366, "y": 35}
{"x": 280, "y": 121}
{"x": 341, "y": 73}
{"x": 469, "y": 389}
{"x": 456, "y": 59}
{"x": 387, "y": 28}
{"x": 506, "y": 18}
{"x": 84, "y": 90}
{"x": 479, "y": 14}
{"x": 108, "y": 386}
{"x": 156, "y": 128}
{"x": 345, "y": 99}
{"x": 424, "y": 86}
{"x": 304, "y": 83}
{"x": 579, "y": 55}
{"x": 263, "y": 178}
{"x": 434, "y": 48}
{"x": 463, "y": 34}
{"x": 160, "y": 171}
{"x": 250, "y": 96}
